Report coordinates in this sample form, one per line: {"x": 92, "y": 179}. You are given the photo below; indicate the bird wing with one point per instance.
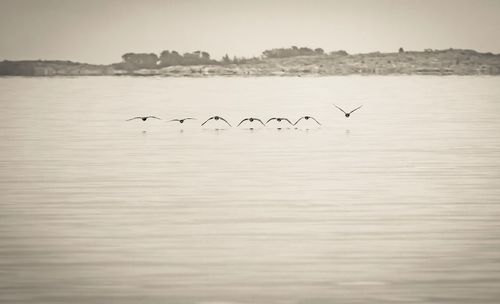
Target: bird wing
{"x": 340, "y": 109}
{"x": 225, "y": 121}
{"x": 189, "y": 118}
{"x": 315, "y": 120}
{"x": 287, "y": 120}
{"x": 355, "y": 109}
{"x": 242, "y": 122}
{"x": 259, "y": 121}
{"x": 207, "y": 120}
{"x": 154, "y": 117}
{"x": 174, "y": 120}
{"x": 270, "y": 119}
{"x": 298, "y": 121}
{"x": 133, "y": 118}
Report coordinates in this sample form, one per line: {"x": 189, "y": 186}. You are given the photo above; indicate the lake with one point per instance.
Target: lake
{"x": 400, "y": 203}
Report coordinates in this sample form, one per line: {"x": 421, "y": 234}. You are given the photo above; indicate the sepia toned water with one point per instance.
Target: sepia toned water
{"x": 400, "y": 203}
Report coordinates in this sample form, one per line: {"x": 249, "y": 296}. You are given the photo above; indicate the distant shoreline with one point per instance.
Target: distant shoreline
{"x": 429, "y": 62}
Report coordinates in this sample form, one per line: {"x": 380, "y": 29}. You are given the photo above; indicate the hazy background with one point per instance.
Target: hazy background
{"x": 101, "y": 31}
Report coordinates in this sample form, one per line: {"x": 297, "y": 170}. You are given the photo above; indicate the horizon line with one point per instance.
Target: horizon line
{"x": 260, "y": 56}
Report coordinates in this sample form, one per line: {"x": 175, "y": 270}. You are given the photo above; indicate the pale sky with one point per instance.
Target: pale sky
{"x": 100, "y": 31}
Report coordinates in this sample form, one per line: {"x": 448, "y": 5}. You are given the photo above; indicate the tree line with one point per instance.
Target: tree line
{"x": 135, "y": 61}
{"x": 292, "y": 52}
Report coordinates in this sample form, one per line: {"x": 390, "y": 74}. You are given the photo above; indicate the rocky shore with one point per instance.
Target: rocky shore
{"x": 429, "y": 62}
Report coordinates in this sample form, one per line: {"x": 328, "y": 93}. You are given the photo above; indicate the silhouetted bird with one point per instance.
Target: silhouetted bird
{"x": 143, "y": 118}
{"x": 307, "y": 118}
{"x": 251, "y": 119}
{"x": 216, "y": 118}
{"x": 279, "y": 119}
{"x": 181, "y": 120}
{"x": 347, "y": 114}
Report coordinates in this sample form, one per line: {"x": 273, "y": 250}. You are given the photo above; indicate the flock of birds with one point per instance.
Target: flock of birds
{"x": 249, "y": 119}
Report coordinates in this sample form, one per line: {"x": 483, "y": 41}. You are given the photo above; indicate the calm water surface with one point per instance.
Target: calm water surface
{"x": 398, "y": 204}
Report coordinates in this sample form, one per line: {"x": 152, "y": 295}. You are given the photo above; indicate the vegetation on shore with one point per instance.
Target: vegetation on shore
{"x": 293, "y": 61}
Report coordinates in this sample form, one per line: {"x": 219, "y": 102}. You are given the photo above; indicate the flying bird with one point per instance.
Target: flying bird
{"x": 181, "y": 120}
{"x": 307, "y": 118}
{"x": 347, "y": 114}
{"x": 144, "y": 118}
{"x": 279, "y": 119}
{"x": 251, "y": 119}
{"x": 216, "y": 118}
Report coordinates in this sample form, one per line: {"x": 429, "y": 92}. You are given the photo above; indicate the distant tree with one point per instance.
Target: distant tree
{"x": 170, "y": 58}
{"x": 205, "y": 55}
{"x": 339, "y": 53}
{"x": 291, "y": 52}
{"x": 174, "y": 58}
{"x": 305, "y": 51}
{"x": 190, "y": 58}
{"x": 243, "y": 60}
{"x": 226, "y": 59}
{"x": 401, "y": 50}
{"x": 135, "y": 61}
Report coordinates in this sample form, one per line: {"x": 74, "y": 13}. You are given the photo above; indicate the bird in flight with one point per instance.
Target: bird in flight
{"x": 216, "y": 118}
{"x": 347, "y": 114}
{"x": 307, "y": 118}
{"x": 279, "y": 119}
{"x": 144, "y": 118}
{"x": 251, "y": 119}
{"x": 181, "y": 120}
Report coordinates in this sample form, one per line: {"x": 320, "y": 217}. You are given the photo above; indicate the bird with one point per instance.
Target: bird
{"x": 347, "y": 114}
{"x": 216, "y": 118}
{"x": 279, "y": 119}
{"x": 181, "y": 120}
{"x": 307, "y": 118}
{"x": 144, "y": 118}
{"x": 251, "y": 119}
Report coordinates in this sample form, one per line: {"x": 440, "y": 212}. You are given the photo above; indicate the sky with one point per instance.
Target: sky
{"x": 101, "y": 31}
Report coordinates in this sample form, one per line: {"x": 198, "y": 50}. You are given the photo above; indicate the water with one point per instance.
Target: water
{"x": 397, "y": 204}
